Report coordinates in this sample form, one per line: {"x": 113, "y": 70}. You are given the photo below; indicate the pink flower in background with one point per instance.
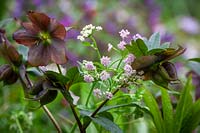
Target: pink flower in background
{"x": 129, "y": 59}
{"x": 137, "y": 36}
{"x": 89, "y": 65}
{"x": 121, "y": 45}
{"x": 104, "y": 75}
{"x": 97, "y": 92}
{"x": 105, "y": 60}
{"x": 124, "y": 33}
{"x": 109, "y": 95}
{"x": 88, "y": 78}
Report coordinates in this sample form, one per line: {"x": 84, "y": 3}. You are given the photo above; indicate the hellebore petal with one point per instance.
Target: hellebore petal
{"x": 25, "y": 38}
{"x": 58, "y": 52}
{"x": 39, "y": 19}
{"x": 30, "y": 27}
{"x": 57, "y": 30}
{"x": 39, "y": 55}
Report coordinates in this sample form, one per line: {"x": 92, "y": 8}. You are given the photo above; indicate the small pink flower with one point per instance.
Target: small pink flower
{"x": 128, "y": 69}
{"x": 105, "y": 60}
{"x": 104, "y": 75}
{"x": 88, "y": 78}
{"x": 89, "y": 65}
{"x": 129, "y": 59}
{"x": 97, "y": 92}
{"x": 124, "y": 33}
{"x": 137, "y": 36}
{"x": 109, "y": 95}
{"x": 110, "y": 46}
{"x": 121, "y": 45}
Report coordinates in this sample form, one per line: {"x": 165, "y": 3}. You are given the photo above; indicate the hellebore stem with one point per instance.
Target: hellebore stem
{"x": 97, "y": 109}
{"x": 71, "y": 105}
{"x": 49, "y": 114}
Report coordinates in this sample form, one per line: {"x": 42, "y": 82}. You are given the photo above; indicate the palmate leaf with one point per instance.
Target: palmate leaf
{"x": 74, "y": 76}
{"x": 154, "y": 41}
{"x": 156, "y": 114}
{"x": 183, "y": 106}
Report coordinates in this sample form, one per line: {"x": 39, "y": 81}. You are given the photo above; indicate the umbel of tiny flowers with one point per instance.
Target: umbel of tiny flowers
{"x": 105, "y": 60}
{"x": 45, "y": 38}
{"x": 89, "y": 65}
{"x": 87, "y": 31}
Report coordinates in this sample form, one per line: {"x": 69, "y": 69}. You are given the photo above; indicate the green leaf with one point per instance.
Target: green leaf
{"x": 155, "y": 51}
{"x": 154, "y": 41}
{"x": 192, "y": 119}
{"x": 195, "y": 59}
{"x": 167, "y": 111}
{"x": 107, "y": 124}
{"x": 183, "y": 106}
{"x": 56, "y": 77}
{"x": 87, "y": 44}
{"x": 137, "y": 48}
{"x": 143, "y": 108}
{"x": 73, "y": 75}
{"x": 165, "y": 45}
{"x": 156, "y": 115}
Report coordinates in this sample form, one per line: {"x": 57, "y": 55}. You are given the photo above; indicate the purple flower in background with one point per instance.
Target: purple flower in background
{"x": 189, "y": 25}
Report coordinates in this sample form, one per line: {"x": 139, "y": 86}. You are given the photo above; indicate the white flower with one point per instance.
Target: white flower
{"x": 105, "y": 60}
{"x": 124, "y": 33}
{"x": 81, "y": 38}
{"x": 110, "y": 46}
{"x": 129, "y": 59}
{"x": 104, "y": 75}
{"x": 121, "y": 45}
{"x": 98, "y": 28}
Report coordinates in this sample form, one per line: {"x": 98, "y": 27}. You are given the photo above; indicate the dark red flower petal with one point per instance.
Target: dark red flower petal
{"x": 58, "y": 52}
{"x": 57, "y": 30}
{"x": 41, "y": 20}
{"x": 30, "y": 27}
{"x": 25, "y": 38}
{"x": 39, "y": 55}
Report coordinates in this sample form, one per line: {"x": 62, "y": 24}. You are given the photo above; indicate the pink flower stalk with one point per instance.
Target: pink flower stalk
{"x": 97, "y": 92}
{"x": 124, "y": 33}
{"x": 129, "y": 59}
{"x": 89, "y": 65}
{"x": 109, "y": 95}
{"x": 137, "y": 36}
{"x": 104, "y": 75}
{"x": 121, "y": 45}
{"x": 105, "y": 60}
{"x": 88, "y": 78}
{"x": 110, "y": 46}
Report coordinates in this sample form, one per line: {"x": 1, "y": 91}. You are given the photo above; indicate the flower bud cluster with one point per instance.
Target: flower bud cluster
{"x": 87, "y": 31}
{"x": 99, "y": 94}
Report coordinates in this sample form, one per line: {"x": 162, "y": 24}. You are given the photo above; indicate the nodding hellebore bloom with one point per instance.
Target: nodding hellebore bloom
{"x": 45, "y": 38}
{"x": 8, "y": 72}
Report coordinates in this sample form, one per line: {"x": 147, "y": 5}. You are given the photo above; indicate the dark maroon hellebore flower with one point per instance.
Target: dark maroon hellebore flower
{"x": 45, "y": 38}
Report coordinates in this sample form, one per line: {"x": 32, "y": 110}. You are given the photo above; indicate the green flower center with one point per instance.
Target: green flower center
{"x": 45, "y": 37}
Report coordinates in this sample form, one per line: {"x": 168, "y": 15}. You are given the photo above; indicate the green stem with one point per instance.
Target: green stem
{"x": 18, "y": 125}
{"x": 90, "y": 93}
{"x": 97, "y": 109}
{"x": 95, "y": 46}
{"x": 59, "y": 69}
{"x": 119, "y": 63}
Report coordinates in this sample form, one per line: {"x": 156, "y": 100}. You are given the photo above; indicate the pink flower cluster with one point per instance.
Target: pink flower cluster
{"x": 105, "y": 60}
